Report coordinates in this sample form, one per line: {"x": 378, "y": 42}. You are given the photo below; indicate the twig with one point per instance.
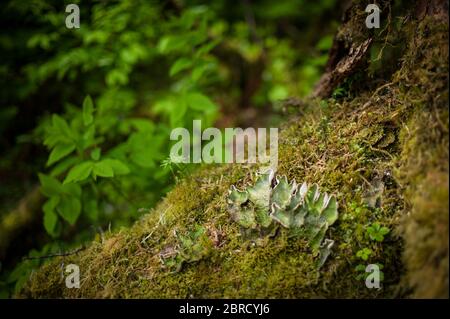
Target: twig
{"x": 76, "y": 251}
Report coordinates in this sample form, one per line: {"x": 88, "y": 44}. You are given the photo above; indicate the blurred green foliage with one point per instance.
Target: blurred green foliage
{"x": 103, "y": 98}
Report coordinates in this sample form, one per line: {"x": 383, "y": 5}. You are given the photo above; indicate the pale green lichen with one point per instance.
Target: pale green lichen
{"x": 190, "y": 247}
{"x": 302, "y": 209}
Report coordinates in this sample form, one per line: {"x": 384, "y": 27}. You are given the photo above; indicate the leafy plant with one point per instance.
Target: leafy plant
{"x": 75, "y": 153}
{"x": 377, "y": 232}
{"x": 364, "y": 253}
{"x": 102, "y": 152}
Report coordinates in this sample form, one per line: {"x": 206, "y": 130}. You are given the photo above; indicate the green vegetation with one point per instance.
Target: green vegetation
{"x": 377, "y": 232}
{"x": 141, "y": 226}
{"x": 86, "y": 113}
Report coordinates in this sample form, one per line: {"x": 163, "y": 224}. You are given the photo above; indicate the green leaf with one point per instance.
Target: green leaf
{"x": 144, "y": 149}
{"x": 278, "y": 92}
{"x": 63, "y": 165}
{"x": 143, "y": 158}
{"x": 103, "y": 169}
{"x": 117, "y": 77}
{"x": 61, "y": 125}
{"x": 95, "y": 154}
{"x": 88, "y": 138}
{"x": 376, "y": 232}
{"x": 50, "y": 185}
{"x": 72, "y": 189}
{"x": 79, "y": 172}
{"x": 384, "y": 230}
{"x": 50, "y": 220}
{"x": 200, "y": 102}
{"x": 360, "y": 267}
{"x": 60, "y": 151}
{"x": 142, "y": 124}
{"x": 90, "y": 209}
{"x": 50, "y": 217}
{"x": 207, "y": 47}
{"x": 118, "y": 167}
{"x": 88, "y": 110}
{"x": 180, "y": 65}
{"x": 164, "y": 44}
{"x": 69, "y": 209}
{"x": 364, "y": 253}
{"x": 171, "y": 43}
{"x": 198, "y": 71}
{"x": 177, "y": 113}
{"x": 378, "y": 237}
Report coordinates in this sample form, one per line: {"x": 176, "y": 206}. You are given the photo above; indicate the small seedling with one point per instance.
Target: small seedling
{"x": 377, "y": 232}
{"x": 364, "y": 253}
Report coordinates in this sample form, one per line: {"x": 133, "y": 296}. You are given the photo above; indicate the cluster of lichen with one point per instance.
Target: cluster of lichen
{"x": 301, "y": 209}
{"x": 190, "y": 247}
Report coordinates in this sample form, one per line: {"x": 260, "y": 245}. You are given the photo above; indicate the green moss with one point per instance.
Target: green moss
{"x": 384, "y": 154}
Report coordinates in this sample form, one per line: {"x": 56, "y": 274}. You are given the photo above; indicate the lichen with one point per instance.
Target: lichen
{"x": 191, "y": 247}
{"x": 301, "y": 209}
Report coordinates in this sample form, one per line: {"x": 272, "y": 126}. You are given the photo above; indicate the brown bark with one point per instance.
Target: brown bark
{"x": 343, "y": 68}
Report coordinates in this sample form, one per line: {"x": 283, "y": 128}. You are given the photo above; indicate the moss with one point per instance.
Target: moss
{"x": 389, "y": 143}
{"x": 426, "y": 234}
